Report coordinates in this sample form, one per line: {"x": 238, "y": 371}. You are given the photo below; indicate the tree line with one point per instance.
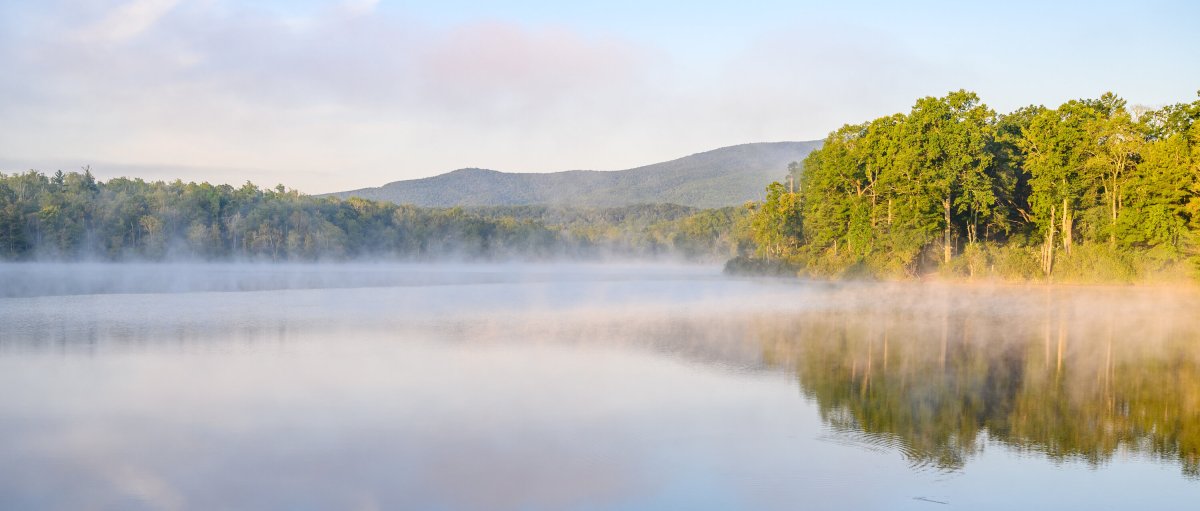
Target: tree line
{"x": 74, "y": 216}
{"x": 1092, "y": 188}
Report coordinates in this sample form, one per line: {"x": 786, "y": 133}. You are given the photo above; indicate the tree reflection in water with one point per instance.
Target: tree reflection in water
{"x": 1075, "y": 374}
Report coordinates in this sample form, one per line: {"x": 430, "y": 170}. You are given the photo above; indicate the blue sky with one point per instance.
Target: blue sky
{"x": 327, "y": 95}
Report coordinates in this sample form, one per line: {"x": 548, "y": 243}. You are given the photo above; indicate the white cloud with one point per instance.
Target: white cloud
{"x": 127, "y": 21}
{"x": 359, "y": 7}
{"x": 342, "y": 102}
{"x": 336, "y": 102}
{"x": 343, "y": 94}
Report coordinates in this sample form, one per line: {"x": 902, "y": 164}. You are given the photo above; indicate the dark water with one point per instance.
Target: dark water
{"x": 576, "y": 387}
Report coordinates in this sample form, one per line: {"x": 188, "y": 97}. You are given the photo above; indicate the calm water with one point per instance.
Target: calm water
{"x": 576, "y": 387}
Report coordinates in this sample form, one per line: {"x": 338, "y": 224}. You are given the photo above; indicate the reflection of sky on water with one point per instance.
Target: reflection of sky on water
{"x": 588, "y": 393}
{"x": 405, "y": 424}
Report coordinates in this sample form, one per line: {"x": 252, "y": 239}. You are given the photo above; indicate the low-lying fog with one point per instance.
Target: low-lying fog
{"x": 381, "y": 386}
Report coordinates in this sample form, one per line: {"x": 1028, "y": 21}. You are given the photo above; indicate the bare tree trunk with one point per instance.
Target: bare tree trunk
{"x": 946, "y": 249}
{"x": 874, "y": 197}
{"x": 1112, "y": 232}
{"x": 1048, "y": 250}
{"x": 1067, "y": 226}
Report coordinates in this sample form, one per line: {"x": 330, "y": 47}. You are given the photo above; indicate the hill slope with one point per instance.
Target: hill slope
{"x": 721, "y": 177}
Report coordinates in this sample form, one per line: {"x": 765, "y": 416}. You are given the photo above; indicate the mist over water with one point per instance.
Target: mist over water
{"x": 379, "y": 386}
{"x": 55, "y": 279}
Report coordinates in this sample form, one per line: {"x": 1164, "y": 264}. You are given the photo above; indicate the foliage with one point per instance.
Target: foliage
{"x": 71, "y": 216}
{"x": 953, "y": 188}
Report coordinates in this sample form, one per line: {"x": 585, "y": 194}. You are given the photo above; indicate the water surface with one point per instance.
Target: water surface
{"x": 586, "y": 387}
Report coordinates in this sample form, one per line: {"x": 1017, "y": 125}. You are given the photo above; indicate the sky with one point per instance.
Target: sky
{"x": 331, "y": 95}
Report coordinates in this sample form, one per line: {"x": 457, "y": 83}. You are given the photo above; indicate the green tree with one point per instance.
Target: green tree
{"x": 777, "y": 224}
{"x": 1057, "y": 150}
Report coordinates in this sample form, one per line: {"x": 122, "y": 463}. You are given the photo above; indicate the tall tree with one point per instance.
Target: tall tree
{"x": 1057, "y": 145}
{"x": 947, "y": 140}
{"x": 1113, "y": 159}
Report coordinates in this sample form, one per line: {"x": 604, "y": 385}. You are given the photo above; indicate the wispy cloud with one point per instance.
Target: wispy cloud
{"x": 341, "y": 94}
{"x": 215, "y": 85}
{"x": 359, "y": 7}
{"x": 127, "y": 21}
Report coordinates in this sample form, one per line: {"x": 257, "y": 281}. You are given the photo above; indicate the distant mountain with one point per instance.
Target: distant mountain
{"x": 721, "y": 177}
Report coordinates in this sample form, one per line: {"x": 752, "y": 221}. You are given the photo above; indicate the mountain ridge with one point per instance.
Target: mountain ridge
{"x": 726, "y": 176}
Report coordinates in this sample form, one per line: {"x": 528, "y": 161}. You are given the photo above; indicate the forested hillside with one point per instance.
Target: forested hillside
{"x": 1092, "y": 189}
{"x": 73, "y": 216}
{"x": 728, "y": 176}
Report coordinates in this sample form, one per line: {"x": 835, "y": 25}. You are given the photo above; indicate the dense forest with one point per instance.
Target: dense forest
{"x": 73, "y": 216}
{"x": 1092, "y": 189}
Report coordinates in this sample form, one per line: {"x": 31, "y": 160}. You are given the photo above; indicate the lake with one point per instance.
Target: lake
{"x": 506, "y": 387}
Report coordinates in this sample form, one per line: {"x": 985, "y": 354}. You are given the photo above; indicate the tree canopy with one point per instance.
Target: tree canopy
{"x": 1092, "y": 188}
{"x": 72, "y": 216}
